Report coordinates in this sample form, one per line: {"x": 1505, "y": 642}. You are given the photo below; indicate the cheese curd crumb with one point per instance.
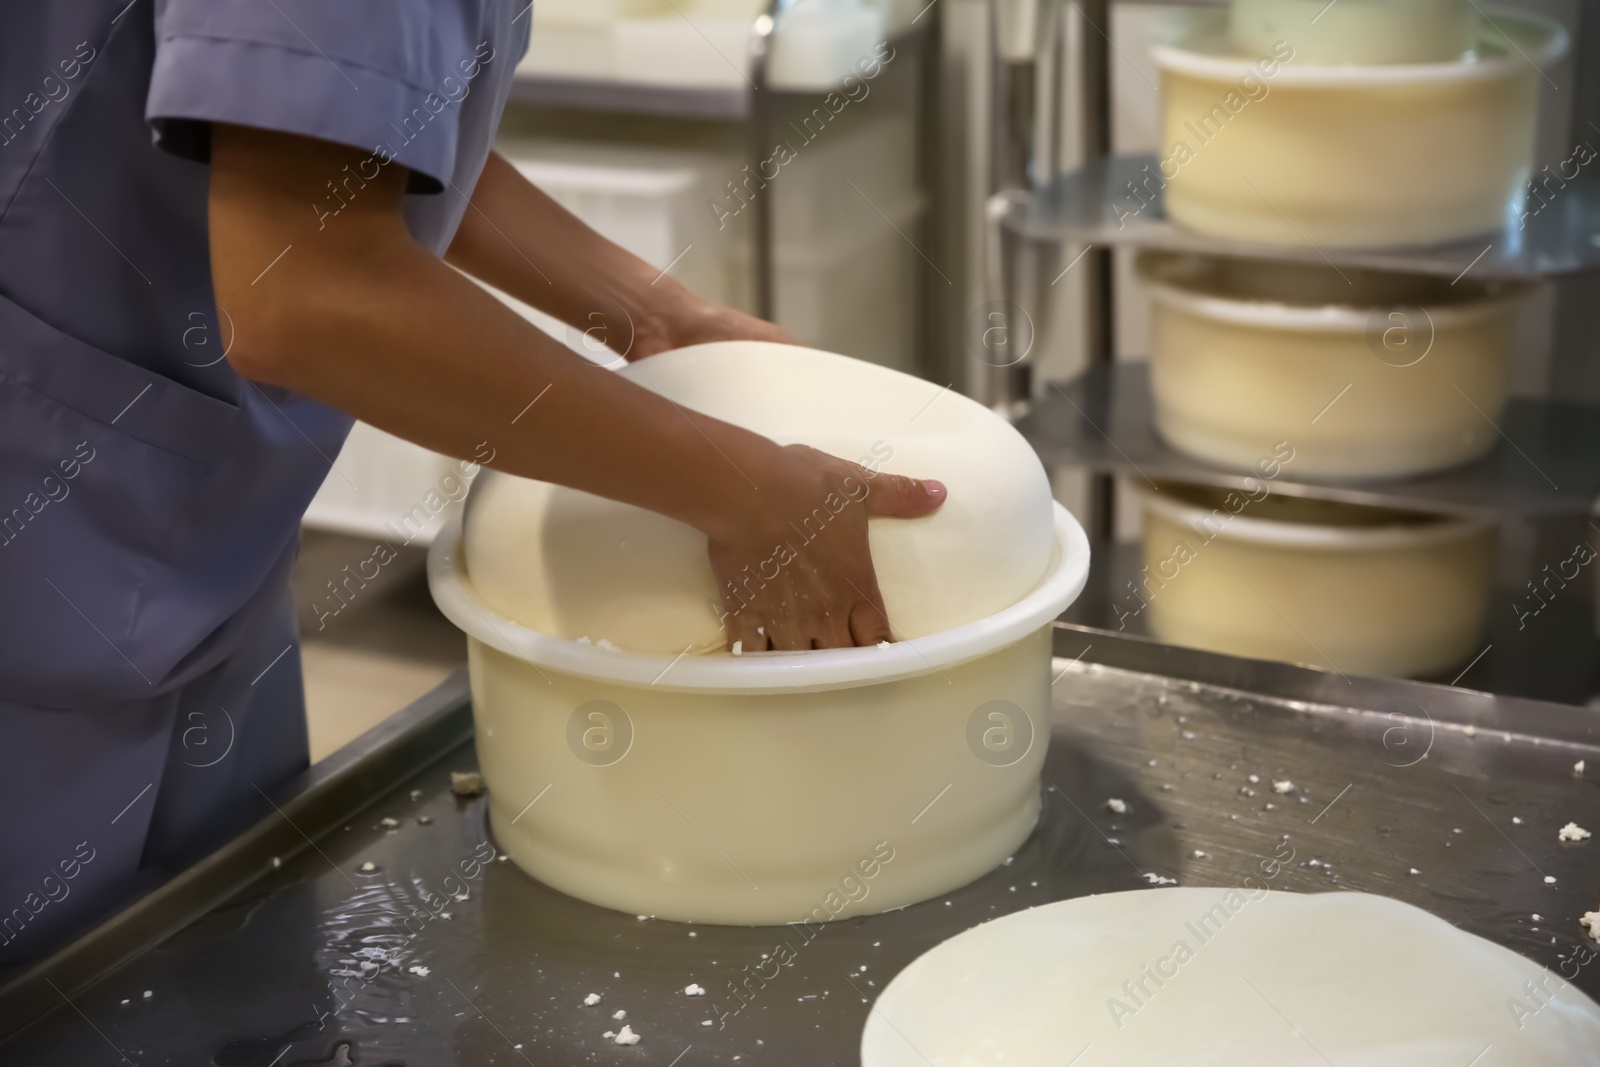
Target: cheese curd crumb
{"x": 626, "y": 1036}
{"x": 694, "y": 989}
{"x": 591, "y": 1000}
{"x": 466, "y": 783}
{"x": 1117, "y": 805}
{"x": 1283, "y": 787}
{"x": 1573, "y": 832}
{"x": 1591, "y": 923}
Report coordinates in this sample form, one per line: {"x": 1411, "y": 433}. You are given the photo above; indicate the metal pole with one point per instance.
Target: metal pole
{"x": 1094, "y": 94}
{"x": 761, "y": 105}
{"x": 1094, "y": 87}
{"x": 1013, "y": 36}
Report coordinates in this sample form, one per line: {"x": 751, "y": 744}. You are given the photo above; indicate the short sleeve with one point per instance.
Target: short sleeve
{"x": 377, "y": 75}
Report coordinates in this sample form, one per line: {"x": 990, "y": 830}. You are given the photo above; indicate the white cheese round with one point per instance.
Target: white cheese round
{"x": 574, "y": 565}
{"x": 1227, "y": 976}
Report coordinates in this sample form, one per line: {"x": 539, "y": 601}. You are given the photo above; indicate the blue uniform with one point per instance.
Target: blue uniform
{"x": 150, "y": 497}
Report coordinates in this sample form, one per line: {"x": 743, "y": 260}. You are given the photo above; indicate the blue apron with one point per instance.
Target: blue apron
{"x": 150, "y": 497}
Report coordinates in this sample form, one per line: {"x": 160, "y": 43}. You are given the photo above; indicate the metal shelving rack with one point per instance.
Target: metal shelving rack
{"x": 1546, "y": 468}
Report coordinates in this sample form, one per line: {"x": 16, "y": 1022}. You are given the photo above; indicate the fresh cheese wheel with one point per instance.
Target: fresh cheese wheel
{"x": 1232, "y": 978}
{"x": 574, "y": 565}
{"x": 1359, "y": 32}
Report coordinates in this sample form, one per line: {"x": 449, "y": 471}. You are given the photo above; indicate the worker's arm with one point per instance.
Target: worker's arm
{"x": 356, "y": 314}
{"x": 519, "y": 240}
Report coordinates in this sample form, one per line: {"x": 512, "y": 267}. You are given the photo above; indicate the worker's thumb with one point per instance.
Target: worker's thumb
{"x": 904, "y": 498}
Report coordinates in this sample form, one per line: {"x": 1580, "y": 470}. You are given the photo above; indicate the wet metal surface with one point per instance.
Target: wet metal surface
{"x": 439, "y": 955}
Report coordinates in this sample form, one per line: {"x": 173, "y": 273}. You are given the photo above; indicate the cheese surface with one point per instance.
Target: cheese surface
{"x": 1230, "y": 977}
{"x": 574, "y": 565}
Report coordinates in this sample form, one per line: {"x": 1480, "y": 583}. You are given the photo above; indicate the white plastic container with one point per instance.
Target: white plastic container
{"x": 818, "y": 43}
{"x": 650, "y": 201}
{"x": 1360, "y": 591}
{"x": 768, "y": 788}
{"x": 855, "y": 292}
{"x": 1272, "y": 148}
{"x": 695, "y": 51}
{"x": 706, "y": 44}
{"x": 858, "y": 164}
{"x": 847, "y": 212}
{"x": 1365, "y": 374}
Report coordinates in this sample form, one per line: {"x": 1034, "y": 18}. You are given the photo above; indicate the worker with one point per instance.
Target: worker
{"x": 228, "y": 227}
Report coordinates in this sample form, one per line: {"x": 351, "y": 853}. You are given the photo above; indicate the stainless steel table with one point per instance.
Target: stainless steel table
{"x": 1405, "y": 789}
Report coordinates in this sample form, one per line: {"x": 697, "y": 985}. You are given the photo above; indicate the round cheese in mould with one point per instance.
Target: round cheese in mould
{"x": 1358, "y": 32}
{"x": 1244, "y": 977}
{"x": 575, "y": 565}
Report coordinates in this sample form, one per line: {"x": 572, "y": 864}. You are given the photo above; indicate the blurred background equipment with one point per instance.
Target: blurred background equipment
{"x": 1341, "y": 279}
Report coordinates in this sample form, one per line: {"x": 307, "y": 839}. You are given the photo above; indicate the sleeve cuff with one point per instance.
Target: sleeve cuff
{"x": 199, "y": 80}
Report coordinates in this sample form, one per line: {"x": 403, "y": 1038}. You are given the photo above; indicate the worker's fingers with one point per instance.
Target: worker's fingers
{"x": 868, "y": 624}
{"x": 766, "y": 626}
{"x": 831, "y": 629}
{"x": 904, "y": 498}
{"x": 823, "y": 593}
{"x": 741, "y": 619}
{"x": 787, "y": 632}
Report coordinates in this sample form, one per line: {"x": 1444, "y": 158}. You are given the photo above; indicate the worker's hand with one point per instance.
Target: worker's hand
{"x": 689, "y": 320}
{"x": 795, "y": 571}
